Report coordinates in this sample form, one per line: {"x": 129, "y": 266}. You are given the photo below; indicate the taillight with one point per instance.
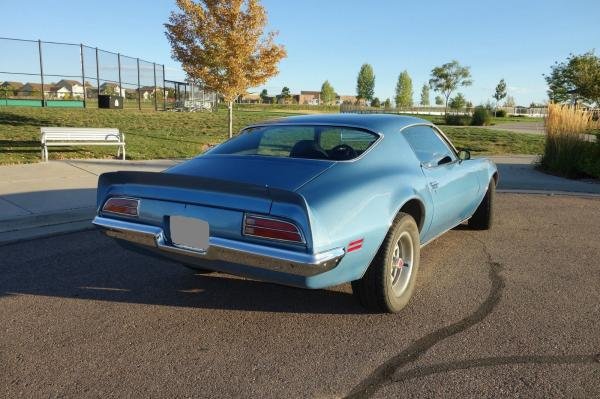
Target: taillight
{"x": 275, "y": 229}
{"x": 122, "y": 206}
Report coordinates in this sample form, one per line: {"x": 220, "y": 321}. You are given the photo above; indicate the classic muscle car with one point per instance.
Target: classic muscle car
{"x": 307, "y": 201}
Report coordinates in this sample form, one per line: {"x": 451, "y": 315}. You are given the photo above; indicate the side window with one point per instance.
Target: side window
{"x": 357, "y": 139}
{"x": 429, "y": 147}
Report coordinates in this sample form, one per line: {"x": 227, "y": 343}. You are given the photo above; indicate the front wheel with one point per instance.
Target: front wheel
{"x": 483, "y": 217}
{"x": 389, "y": 281}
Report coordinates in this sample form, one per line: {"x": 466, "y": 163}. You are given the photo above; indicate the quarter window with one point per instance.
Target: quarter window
{"x": 429, "y": 147}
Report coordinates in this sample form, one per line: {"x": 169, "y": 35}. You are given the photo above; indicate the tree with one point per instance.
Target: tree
{"x": 365, "y": 83}
{"x": 375, "y": 103}
{"x": 500, "y": 93}
{"x": 264, "y": 96}
{"x": 439, "y": 100}
{"x": 458, "y": 102}
{"x": 425, "y": 95}
{"x": 285, "y": 95}
{"x": 327, "y": 93}
{"x": 448, "y": 77}
{"x": 387, "y": 103}
{"x": 510, "y": 102}
{"x": 577, "y": 78}
{"x": 222, "y": 44}
{"x": 404, "y": 91}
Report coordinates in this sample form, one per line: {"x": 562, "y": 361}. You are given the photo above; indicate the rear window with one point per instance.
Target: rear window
{"x": 298, "y": 141}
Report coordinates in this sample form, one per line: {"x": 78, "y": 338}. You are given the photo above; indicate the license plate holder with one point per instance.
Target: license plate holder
{"x": 189, "y": 233}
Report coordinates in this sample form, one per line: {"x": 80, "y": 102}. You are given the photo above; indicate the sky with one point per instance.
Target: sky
{"x": 331, "y": 39}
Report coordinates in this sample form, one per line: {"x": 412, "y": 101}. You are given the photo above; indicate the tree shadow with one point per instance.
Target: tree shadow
{"x": 8, "y": 118}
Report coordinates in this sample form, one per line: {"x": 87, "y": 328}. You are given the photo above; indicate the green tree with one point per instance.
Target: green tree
{"x": 577, "y": 78}
{"x": 448, "y": 77}
{"x": 223, "y": 44}
{"x": 375, "y": 102}
{"x": 285, "y": 95}
{"x": 264, "y": 96}
{"x": 327, "y": 93}
{"x": 425, "y": 95}
{"x": 365, "y": 83}
{"x": 387, "y": 103}
{"x": 458, "y": 102}
{"x": 439, "y": 100}
{"x": 499, "y": 94}
{"x": 404, "y": 91}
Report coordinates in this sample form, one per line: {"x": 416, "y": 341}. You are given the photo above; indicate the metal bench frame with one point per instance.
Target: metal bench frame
{"x": 74, "y": 136}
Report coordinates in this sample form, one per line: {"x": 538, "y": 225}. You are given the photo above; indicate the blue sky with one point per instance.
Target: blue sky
{"x": 330, "y": 39}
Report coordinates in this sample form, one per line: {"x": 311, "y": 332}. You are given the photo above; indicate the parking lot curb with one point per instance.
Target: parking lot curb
{"x": 45, "y": 225}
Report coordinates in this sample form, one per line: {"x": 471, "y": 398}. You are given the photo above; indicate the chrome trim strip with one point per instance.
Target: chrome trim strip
{"x": 225, "y": 250}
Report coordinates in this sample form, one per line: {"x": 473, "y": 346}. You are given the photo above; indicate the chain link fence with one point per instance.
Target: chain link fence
{"x": 52, "y": 74}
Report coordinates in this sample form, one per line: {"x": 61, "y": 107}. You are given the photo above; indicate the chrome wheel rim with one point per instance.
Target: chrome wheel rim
{"x": 402, "y": 263}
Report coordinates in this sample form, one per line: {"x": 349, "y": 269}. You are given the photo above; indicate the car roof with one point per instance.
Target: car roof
{"x": 379, "y": 123}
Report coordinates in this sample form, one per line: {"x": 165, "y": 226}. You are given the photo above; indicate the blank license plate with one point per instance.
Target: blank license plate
{"x": 189, "y": 233}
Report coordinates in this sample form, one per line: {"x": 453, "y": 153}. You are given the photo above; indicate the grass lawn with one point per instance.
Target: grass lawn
{"x": 155, "y": 135}
{"x": 439, "y": 119}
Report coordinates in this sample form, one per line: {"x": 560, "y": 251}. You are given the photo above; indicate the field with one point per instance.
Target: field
{"x": 155, "y": 135}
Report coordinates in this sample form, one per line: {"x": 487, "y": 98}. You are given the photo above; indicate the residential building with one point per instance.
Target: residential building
{"x": 310, "y": 97}
{"x": 67, "y": 88}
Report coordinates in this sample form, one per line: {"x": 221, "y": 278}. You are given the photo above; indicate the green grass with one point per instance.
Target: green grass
{"x": 440, "y": 120}
{"x": 156, "y": 135}
{"x": 494, "y": 142}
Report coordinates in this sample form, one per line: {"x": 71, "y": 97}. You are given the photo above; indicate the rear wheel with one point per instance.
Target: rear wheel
{"x": 483, "y": 217}
{"x": 389, "y": 281}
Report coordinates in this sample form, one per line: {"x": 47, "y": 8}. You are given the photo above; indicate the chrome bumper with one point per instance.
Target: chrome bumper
{"x": 225, "y": 250}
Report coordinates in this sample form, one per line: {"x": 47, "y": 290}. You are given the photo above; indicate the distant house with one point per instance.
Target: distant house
{"x": 33, "y": 89}
{"x": 339, "y": 100}
{"x": 250, "y": 98}
{"x": 8, "y": 89}
{"x": 68, "y": 88}
{"x": 310, "y": 97}
{"x": 147, "y": 92}
{"x": 112, "y": 89}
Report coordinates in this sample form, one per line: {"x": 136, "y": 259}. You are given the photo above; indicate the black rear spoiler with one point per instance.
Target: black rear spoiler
{"x": 162, "y": 179}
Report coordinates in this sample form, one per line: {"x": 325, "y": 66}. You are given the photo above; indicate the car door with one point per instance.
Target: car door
{"x": 453, "y": 184}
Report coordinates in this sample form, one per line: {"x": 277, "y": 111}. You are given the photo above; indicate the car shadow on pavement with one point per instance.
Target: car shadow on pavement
{"x": 88, "y": 265}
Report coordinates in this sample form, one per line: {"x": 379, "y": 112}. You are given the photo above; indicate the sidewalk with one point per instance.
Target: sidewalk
{"x": 60, "y": 196}
{"x": 57, "y": 196}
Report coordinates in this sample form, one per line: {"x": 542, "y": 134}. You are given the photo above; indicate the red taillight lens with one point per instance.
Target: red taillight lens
{"x": 258, "y": 226}
{"x": 122, "y": 206}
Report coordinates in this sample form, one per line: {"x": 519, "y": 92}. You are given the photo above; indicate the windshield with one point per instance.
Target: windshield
{"x": 334, "y": 143}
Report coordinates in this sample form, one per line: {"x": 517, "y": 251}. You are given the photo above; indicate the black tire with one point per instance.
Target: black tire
{"x": 197, "y": 269}
{"x": 376, "y": 290}
{"x": 483, "y": 218}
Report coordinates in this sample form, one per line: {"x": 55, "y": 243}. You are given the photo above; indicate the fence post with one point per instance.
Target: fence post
{"x": 83, "y": 75}
{"x": 41, "y": 72}
{"x": 155, "y": 93}
{"x": 97, "y": 78}
{"x": 139, "y": 90}
{"x": 120, "y": 85}
{"x": 164, "y": 90}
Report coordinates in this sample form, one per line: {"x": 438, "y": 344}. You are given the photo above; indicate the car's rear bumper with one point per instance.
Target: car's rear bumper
{"x": 227, "y": 255}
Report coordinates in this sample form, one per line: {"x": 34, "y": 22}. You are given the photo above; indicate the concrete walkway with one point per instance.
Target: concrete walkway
{"x": 57, "y": 196}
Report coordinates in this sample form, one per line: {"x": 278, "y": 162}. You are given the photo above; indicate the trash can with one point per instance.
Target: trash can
{"x": 112, "y": 102}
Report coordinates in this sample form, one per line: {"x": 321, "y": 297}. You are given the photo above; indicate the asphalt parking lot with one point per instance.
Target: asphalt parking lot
{"x": 512, "y": 312}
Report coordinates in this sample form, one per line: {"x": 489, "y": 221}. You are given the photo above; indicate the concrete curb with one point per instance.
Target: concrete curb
{"x": 45, "y": 225}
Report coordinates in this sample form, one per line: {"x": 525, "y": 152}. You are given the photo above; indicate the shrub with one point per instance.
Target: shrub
{"x": 500, "y": 113}
{"x": 458, "y": 120}
{"x": 567, "y": 151}
{"x": 481, "y": 117}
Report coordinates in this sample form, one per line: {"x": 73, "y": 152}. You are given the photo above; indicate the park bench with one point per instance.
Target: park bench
{"x": 72, "y": 136}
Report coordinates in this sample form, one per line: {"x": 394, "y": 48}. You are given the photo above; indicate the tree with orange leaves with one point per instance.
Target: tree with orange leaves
{"x": 222, "y": 43}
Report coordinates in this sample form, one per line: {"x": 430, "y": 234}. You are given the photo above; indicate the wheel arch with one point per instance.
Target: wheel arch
{"x": 415, "y": 208}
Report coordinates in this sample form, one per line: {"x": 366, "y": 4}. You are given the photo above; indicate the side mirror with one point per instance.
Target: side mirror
{"x": 464, "y": 155}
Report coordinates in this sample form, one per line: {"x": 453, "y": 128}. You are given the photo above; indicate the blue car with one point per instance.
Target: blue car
{"x": 307, "y": 201}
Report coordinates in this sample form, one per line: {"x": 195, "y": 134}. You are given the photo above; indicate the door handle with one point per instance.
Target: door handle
{"x": 434, "y": 185}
